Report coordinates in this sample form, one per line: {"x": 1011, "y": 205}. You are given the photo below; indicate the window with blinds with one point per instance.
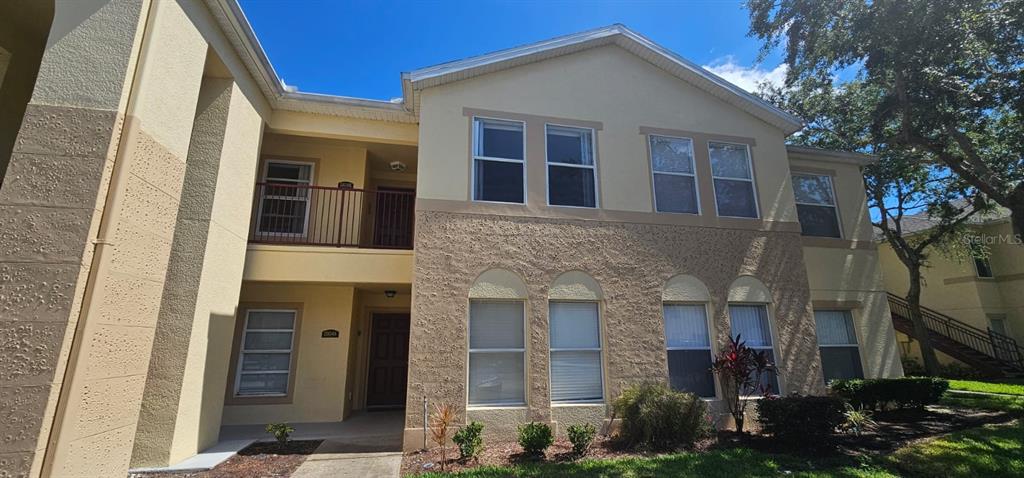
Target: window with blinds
{"x": 265, "y": 354}
{"x": 837, "y": 343}
{"x": 689, "y": 349}
{"x": 575, "y": 352}
{"x": 750, "y": 322}
{"x": 497, "y": 352}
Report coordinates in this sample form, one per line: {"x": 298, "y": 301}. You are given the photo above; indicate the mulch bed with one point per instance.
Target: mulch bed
{"x": 895, "y": 429}
{"x": 259, "y": 460}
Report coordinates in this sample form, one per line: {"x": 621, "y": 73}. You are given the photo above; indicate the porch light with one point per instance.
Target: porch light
{"x": 390, "y": 294}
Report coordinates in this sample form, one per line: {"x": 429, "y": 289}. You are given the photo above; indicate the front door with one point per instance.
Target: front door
{"x": 389, "y": 361}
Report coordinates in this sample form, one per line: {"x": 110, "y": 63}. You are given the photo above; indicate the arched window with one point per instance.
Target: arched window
{"x": 748, "y": 318}
{"x": 575, "y": 335}
{"x": 687, "y": 338}
{"x": 497, "y": 339}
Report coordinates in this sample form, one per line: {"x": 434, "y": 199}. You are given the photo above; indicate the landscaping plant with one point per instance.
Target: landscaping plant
{"x": 655, "y": 417}
{"x": 440, "y": 425}
{"x": 880, "y": 393}
{"x": 739, "y": 370}
{"x": 581, "y": 436}
{"x": 857, "y": 420}
{"x": 798, "y": 420}
{"x": 535, "y": 437}
{"x": 281, "y": 431}
{"x": 469, "y": 440}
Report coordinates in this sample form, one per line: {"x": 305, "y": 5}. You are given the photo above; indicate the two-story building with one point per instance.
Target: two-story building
{"x": 192, "y": 246}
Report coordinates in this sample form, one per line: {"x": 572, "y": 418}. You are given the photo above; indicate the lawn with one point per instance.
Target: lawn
{"x": 1008, "y": 387}
{"x": 1002, "y": 403}
{"x": 992, "y": 450}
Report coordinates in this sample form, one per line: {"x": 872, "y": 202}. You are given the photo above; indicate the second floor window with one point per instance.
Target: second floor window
{"x": 816, "y": 205}
{"x": 675, "y": 180}
{"x": 734, "y": 179}
{"x": 983, "y": 267}
{"x": 284, "y": 202}
{"x": 572, "y": 174}
{"x": 498, "y": 161}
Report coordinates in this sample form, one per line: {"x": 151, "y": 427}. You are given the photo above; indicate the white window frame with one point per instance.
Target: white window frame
{"x": 832, "y": 193}
{"x": 752, "y": 180}
{"x": 771, "y": 333}
{"x": 264, "y": 196}
{"x": 693, "y": 165}
{"x": 593, "y": 159}
{"x": 475, "y": 145}
{"x": 471, "y": 351}
{"x": 242, "y": 351}
{"x": 599, "y": 350}
{"x": 856, "y": 337}
{"x": 711, "y": 343}
{"x": 977, "y": 270}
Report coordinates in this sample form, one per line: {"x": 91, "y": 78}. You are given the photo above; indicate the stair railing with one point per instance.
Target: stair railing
{"x": 988, "y": 342}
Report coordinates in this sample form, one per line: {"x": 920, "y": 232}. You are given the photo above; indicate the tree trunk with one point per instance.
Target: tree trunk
{"x": 739, "y": 423}
{"x": 1016, "y": 206}
{"x": 931, "y": 363}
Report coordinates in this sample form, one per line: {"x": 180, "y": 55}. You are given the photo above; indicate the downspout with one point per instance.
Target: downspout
{"x": 101, "y": 244}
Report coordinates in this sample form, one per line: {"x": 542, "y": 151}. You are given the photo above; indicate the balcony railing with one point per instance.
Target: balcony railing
{"x": 285, "y": 213}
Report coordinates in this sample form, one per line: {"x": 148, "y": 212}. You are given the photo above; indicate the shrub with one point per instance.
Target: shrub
{"x": 535, "y": 437}
{"x": 440, "y": 424}
{"x": 879, "y": 393}
{"x": 581, "y": 436}
{"x": 857, "y": 420}
{"x": 657, "y": 418}
{"x": 469, "y": 440}
{"x": 281, "y": 431}
{"x": 739, "y": 369}
{"x": 800, "y": 420}
{"x": 953, "y": 370}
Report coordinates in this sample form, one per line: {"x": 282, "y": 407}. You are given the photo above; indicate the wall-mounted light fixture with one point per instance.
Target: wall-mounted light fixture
{"x": 390, "y": 294}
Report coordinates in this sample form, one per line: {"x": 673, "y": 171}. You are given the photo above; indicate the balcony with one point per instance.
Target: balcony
{"x": 307, "y": 215}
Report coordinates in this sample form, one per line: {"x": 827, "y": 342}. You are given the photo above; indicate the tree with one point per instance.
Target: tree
{"x": 948, "y": 74}
{"x": 903, "y": 181}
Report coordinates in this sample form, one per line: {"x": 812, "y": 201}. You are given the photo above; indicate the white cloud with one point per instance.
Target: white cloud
{"x": 746, "y": 77}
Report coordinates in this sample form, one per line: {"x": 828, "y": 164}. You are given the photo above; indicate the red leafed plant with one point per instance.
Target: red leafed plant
{"x": 739, "y": 369}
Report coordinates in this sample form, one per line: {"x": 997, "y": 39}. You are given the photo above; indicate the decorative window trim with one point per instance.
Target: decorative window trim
{"x": 475, "y": 120}
{"x": 752, "y": 180}
{"x": 832, "y": 193}
{"x": 231, "y": 398}
{"x": 654, "y": 173}
{"x": 593, "y": 167}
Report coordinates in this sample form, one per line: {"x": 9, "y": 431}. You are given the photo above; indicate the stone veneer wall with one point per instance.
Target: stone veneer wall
{"x": 630, "y": 261}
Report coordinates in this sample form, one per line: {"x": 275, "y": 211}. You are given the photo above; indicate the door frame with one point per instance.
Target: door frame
{"x": 363, "y": 366}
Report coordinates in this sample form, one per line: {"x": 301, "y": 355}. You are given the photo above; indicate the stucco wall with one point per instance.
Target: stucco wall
{"x": 319, "y": 390}
{"x": 630, "y": 262}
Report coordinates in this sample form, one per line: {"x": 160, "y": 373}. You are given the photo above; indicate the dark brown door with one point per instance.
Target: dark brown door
{"x": 389, "y": 361}
{"x": 394, "y": 218}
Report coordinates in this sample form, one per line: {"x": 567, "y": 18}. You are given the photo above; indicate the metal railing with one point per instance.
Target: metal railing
{"x": 284, "y": 213}
{"x": 988, "y": 342}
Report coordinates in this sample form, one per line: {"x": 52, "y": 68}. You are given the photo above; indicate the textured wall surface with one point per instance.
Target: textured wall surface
{"x": 630, "y": 262}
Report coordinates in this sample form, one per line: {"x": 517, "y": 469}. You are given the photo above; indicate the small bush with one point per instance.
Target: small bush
{"x": 469, "y": 440}
{"x": 281, "y": 431}
{"x": 535, "y": 437}
{"x": 800, "y": 420}
{"x": 953, "y": 370}
{"x": 657, "y": 418}
{"x": 857, "y": 420}
{"x": 581, "y": 436}
{"x": 879, "y": 393}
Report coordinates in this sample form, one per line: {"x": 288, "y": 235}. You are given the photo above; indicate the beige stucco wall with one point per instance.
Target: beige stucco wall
{"x": 24, "y": 27}
{"x": 292, "y": 122}
{"x": 319, "y": 390}
{"x": 606, "y": 85}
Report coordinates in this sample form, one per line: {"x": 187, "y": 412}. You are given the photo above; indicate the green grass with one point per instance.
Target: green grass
{"x": 992, "y": 450}
{"x": 1009, "y": 387}
{"x": 999, "y": 403}
{"x": 732, "y": 463}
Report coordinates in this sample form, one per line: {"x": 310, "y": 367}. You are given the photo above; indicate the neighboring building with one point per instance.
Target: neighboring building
{"x": 983, "y": 295}
{"x": 190, "y": 245}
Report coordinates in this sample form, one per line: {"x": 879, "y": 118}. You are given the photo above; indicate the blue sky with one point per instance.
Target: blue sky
{"x": 360, "y": 48}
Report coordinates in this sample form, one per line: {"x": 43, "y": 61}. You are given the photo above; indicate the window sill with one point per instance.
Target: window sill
{"x": 577, "y": 404}
{"x": 521, "y": 406}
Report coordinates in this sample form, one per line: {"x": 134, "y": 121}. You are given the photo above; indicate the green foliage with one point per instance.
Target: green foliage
{"x": 806, "y": 421}
{"x": 857, "y": 420}
{"x": 878, "y": 393}
{"x": 655, "y": 417}
{"x": 281, "y": 431}
{"x": 470, "y": 440}
{"x": 988, "y": 387}
{"x": 997, "y": 403}
{"x": 535, "y": 437}
{"x": 581, "y": 436}
{"x": 912, "y": 368}
{"x": 992, "y": 450}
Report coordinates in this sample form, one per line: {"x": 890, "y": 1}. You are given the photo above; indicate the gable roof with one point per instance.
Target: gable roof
{"x": 616, "y": 34}
{"x": 232, "y": 21}
{"x": 922, "y": 221}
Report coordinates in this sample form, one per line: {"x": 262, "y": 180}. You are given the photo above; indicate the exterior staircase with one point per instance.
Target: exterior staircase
{"x": 991, "y": 353}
